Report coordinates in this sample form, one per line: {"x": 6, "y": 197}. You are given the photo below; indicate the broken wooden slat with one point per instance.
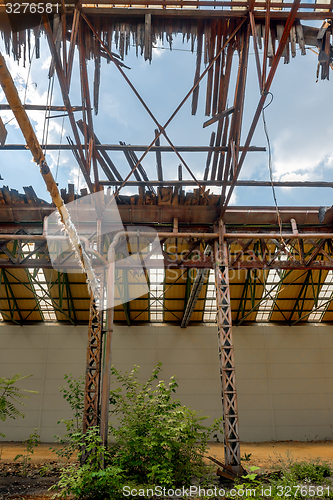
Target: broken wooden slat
{"x": 7, "y": 195}
{"x": 224, "y": 143}
{"x": 225, "y": 474}
{"x": 300, "y": 38}
{"x": 217, "y": 66}
{"x": 228, "y": 469}
{"x": 325, "y": 66}
{"x": 209, "y": 156}
{"x": 142, "y": 171}
{"x": 197, "y": 70}
{"x": 148, "y": 38}
{"x": 259, "y": 35}
{"x": 292, "y": 37}
{"x": 3, "y": 133}
{"x": 211, "y": 49}
{"x": 158, "y": 158}
{"x": 30, "y": 194}
{"x": 217, "y": 117}
{"x": 279, "y": 32}
{"x": 103, "y": 153}
{"x": 97, "y": 75}
{"x": 16, "y": 197}
{"x": 323, "y": 30}
{"x": 71, "y": 193}
{"x": 130, "y": 162}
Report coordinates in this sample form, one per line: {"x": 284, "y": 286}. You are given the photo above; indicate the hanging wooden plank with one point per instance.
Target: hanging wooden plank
{"x": 279, "y": 32}
{"x": 223, "y": 95}
{"x": 211, "y": 49}
{"x": 224, "y": 143}
{"x": 148, "y": 38}
{"x": 217, "y": 66}
{"x": 300, "y": 38}
{"x": 3, "y": 133}
{"x": 97, "y": 75}
{"x": 30, "y": 194}
{"x": 217, "y": 117}
{"x": 209, "y": 156}
{"x": 259, "y": 35}
{"x": 325, "y": 56}
{"x": 158, "y": 158}
{"x": 292, "y": 37}
{"x": 195, "y": 95}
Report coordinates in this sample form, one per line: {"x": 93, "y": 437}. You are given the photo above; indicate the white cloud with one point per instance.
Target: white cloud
{"x": 76, "y": 178}
{"x": 233, "y": 199}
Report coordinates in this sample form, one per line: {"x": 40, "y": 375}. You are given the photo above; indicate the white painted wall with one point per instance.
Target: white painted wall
{"x": 284, "y": 374}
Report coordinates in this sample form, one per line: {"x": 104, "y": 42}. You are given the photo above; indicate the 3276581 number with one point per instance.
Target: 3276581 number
{"x": 32, "y": 8}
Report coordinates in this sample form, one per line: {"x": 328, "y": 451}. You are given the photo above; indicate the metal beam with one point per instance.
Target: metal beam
{"x": 135, "y": 147}
{"x": 65, "y": 95}
{"x": 266, "y": 87}
{"x": 195, "y": 291}
{"x": 40, "y": 107}
{"x": 239, "y": 183}
{"x": 226, "y": 356}
{"x": 93, "y": 368}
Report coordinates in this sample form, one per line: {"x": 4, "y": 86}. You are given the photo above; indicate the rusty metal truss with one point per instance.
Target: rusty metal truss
{"x": 294, "y": 246}
{"x": 226, "y": 356}
{"x": 93, "y": 368}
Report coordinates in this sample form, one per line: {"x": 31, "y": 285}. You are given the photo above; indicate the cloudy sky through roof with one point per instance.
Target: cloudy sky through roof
{"x": 299, "y": 122}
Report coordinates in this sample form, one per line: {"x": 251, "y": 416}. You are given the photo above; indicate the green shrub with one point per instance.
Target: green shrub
{"x": 314, "y": 472}
{"x": 155, "y": 441}
{"x": 32, "y": 442}
{"x": 10, "y": 395}
{"x": 73, "y": 393}
{"x": 91, "y": 480}
{"x": 158, "y": 440}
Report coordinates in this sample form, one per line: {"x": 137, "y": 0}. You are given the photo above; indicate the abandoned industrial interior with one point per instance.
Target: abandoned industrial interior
{"x": 225, "y": 296}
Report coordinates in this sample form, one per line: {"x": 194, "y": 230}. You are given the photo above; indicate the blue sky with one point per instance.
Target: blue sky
{"x": 299, "y": 122}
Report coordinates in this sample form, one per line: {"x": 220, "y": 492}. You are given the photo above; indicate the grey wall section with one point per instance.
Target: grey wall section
{"x": 284, "y": 374}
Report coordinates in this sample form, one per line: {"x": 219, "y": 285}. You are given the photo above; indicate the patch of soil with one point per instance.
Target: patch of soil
{"x": 275, "y": 455}
{"x": 16, "y": 482}
{"x": 34, "y": 481}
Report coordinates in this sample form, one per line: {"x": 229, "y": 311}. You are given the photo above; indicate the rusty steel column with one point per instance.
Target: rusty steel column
{"x": 91, "y": 412}
{"x": 226, "y": 355}
{"x": 106, "y": 370}
{"x": 93, "y": 367}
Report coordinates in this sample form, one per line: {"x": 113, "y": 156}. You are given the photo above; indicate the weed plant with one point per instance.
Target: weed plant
{"x": 32, "y": 442}
{"x": 298, "y": 480}
{"x": 10, "y": 396}
{"x": 155, "y": 440}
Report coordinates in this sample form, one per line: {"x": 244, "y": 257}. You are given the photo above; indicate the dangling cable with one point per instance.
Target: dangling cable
{"x": 47, "y": 112}
{"x": 26, "y": 83}
{"x": 59, "y": 150}
{"x": 270, "y": 165}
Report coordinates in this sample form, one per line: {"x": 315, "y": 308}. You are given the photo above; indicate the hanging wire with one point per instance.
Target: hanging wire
{"x": 47, "y": 112}
{"x": 270, "y": 165}
{"x": 59, "y": 150}
{"x": 78, "y": 180}
{"x": 28, "y": 75}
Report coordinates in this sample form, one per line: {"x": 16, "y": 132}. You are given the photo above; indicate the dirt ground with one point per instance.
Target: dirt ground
{"x": 35, "y": 486}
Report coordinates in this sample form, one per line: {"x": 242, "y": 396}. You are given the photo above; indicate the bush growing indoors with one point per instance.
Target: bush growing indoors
{"x": 155, "y": 440}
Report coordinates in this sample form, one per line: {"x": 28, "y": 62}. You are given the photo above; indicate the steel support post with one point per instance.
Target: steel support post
{"x": 106, "y": 369}
{"x": 92, "y": 390}
{"x": 226, "y": 356}
{"x": 93, "y": 367}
